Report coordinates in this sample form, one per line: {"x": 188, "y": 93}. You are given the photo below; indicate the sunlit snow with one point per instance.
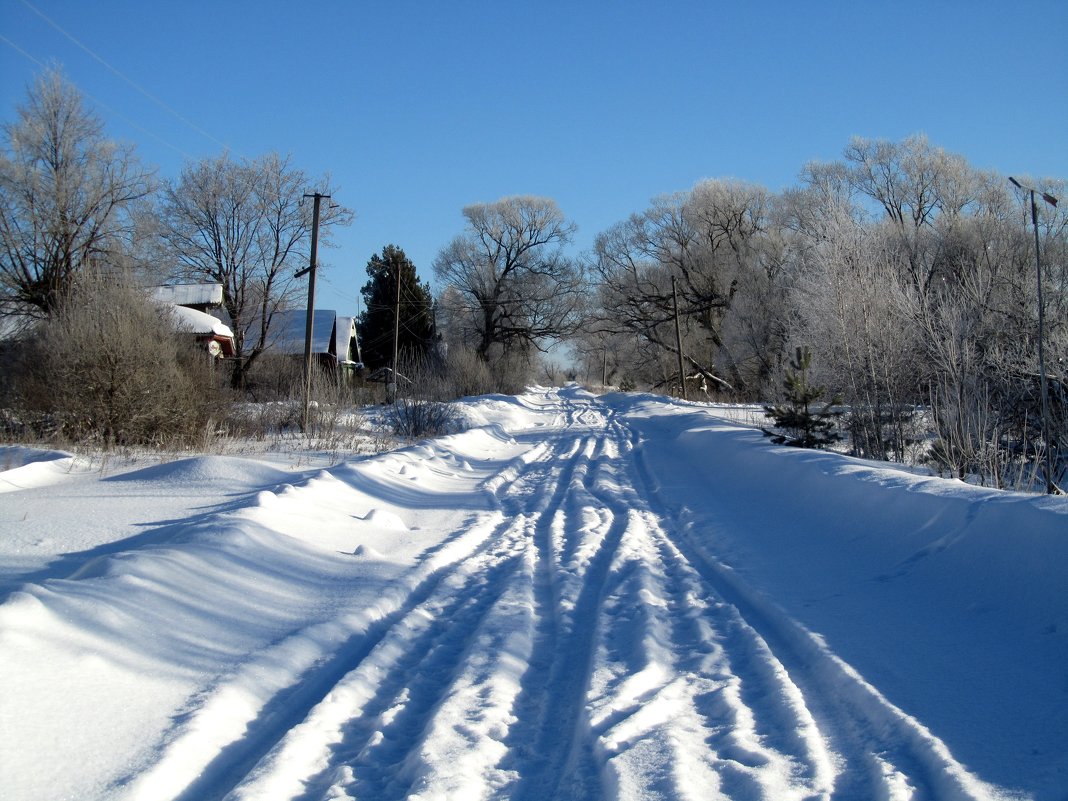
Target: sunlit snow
{"x": 577, "y": 598}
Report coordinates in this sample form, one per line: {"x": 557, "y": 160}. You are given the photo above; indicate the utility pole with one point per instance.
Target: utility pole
{"x": 391, "y": 387}
{"x": 311, "y": 308}
{"x": 678, "y": 337}
{"x": 359, "y": 331}
{"x": 1051, "y": 487}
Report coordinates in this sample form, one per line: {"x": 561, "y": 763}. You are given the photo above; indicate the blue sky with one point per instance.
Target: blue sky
{"x": 419, "y": 108}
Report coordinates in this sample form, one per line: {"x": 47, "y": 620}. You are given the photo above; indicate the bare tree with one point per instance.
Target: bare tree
{"x": 909, "y": 274}
{"x": 850, "y": 306}
{"x": 930, "y": 300}
{"x": 711, "y": 240}
{"x": 915, "y": 184}
{"x": 244, "y": 224}
{"x": 635, "y": 261}
{"x": 507, "y": 278}
{"x": 65, "y": 196}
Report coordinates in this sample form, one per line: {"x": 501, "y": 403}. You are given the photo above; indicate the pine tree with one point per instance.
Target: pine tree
{"x": 796, "y": 422}
{"x": 417, "y": 330}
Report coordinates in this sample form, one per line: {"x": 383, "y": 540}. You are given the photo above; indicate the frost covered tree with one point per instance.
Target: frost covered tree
{"x": 714, "y": 242}
{"x": 66, "y": 196}
{"x": 918, "y": 290}
{"x": 507, "y": 279}
{"x": 911, "y": 274}
{"x": 245, "y": 224}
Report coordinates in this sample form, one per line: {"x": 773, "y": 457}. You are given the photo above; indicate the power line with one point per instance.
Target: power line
{"x": 18, "y": 49}
{"x": 100, "y": 103}
{"x": 120, "y": 74}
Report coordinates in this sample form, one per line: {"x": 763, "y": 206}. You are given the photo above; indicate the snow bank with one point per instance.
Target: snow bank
{"x": 951, "y": 598}
{"x": 23, "y": 468}
{"x": 620, "y": 596}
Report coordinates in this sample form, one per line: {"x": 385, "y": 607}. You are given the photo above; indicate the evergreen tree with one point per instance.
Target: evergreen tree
{"x": 796, "y": 422}
{"x": 417, "y": 330}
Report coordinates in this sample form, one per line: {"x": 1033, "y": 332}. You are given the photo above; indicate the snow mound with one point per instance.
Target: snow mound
{"x": 224, "y": 470}
{"x": 368, "y": 552}
{"x": 14, "y": 456}
{"x": 383, "y": 519}
{"x": 29, "y": 467}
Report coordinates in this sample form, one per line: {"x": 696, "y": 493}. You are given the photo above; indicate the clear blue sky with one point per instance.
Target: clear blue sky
{"x": 420, "y": 108}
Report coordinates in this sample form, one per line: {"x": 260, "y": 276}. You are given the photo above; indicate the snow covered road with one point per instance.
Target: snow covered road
{"x": 580, "y": 598}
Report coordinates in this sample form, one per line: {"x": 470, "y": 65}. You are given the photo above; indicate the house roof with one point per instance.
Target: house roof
{"x": 287, "y": 329}
{"x": 198, "y": 322}
{"x": 189, "y": 294}
{"x": 344, "y": 332}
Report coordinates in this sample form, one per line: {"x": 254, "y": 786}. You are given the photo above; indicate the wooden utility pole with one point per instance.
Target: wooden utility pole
{"x": 391, "y": 387}
{"x": 678, "y": 338}
{"x": 1051, "y": 486}
{"x": 311, "y": 308}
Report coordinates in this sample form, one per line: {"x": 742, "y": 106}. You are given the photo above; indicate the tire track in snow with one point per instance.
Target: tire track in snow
{"x": 761, "y": 739}
{"x": 670, "y": 641}
{"x": 551, "y": 745}
{"x": 288, "y": 707}
{"x": 876, "y": 750}
{"x": 388, "y": 766}
{"x": 195, "y": 764}
{"x": 374, "y": 749}
{"x": 292, "y": 760}
{"x": 665, "y": 712}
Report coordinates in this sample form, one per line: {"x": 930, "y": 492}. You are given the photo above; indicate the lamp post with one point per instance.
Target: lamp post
{"x": 1051, "y": 488}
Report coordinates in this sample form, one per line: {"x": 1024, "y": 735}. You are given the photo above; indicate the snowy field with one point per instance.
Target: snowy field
{"x": 578, "y": 598}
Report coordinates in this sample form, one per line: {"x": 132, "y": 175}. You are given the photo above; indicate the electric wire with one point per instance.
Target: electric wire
{"x": 100, "y": 103}
{"x": 124, "y": 77}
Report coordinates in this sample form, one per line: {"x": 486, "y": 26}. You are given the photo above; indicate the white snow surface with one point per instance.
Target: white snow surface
{"x": 578, "y": 598}
{"x": 198, "y": 322}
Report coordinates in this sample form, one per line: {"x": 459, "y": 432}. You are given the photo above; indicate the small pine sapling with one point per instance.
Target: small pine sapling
{"x": 796, "y": 422}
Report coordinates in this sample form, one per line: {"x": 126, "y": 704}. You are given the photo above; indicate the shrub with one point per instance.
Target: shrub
{"x": 416, "y": 418}
{"x": 107, "y": 367}
{"x": 466, "y": 374}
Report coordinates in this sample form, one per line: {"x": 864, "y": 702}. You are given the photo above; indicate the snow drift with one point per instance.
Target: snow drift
{"x": 622, "y": 597}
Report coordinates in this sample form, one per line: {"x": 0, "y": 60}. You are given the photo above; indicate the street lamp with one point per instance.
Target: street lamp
{"x": 1051, "y": 488}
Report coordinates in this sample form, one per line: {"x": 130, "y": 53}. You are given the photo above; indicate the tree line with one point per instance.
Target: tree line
{"x": 75, "y": 202}
{"x": 908, "y": 275}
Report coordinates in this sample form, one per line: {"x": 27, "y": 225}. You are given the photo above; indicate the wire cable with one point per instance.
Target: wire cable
{"x": 100, "y": 103}
{"x": 128, "y": 80}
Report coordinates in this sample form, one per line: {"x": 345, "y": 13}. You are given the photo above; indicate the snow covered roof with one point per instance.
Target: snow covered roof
{"x": 190, "y": 294}
{"x": 198, "y": 322}
{"x": 287, "y": 329}
{"x": 344, "y": 333}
